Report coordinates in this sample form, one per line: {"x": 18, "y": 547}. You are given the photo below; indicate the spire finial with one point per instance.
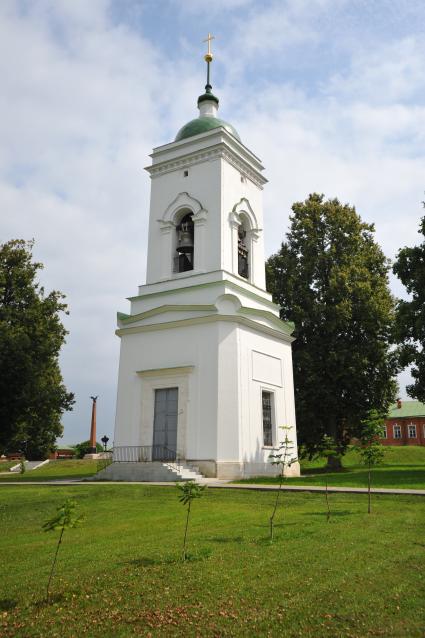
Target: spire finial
{"x": 208, "y": 57}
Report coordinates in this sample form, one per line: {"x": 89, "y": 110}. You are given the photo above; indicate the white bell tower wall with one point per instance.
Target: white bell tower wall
{"x": 218, "y": 181}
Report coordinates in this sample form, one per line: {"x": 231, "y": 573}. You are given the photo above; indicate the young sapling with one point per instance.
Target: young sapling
{"x": 189, "y": 490}
{"x": 282, "y": 457}
{"x": 65, "y": 518}
{"x": 370, "y": 449}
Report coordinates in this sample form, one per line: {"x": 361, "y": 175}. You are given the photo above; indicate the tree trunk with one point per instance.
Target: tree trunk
{"x": 368, "y": 490}
{"x": 328, "y": 516}
{"x": 275, "y": 507}
{"x": 185, "y": 531}
{"x": 54, "y": 564}
{"x": 334, "y": 462}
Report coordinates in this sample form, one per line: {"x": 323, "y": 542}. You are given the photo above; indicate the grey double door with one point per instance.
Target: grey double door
{"x": 165, "y": 424}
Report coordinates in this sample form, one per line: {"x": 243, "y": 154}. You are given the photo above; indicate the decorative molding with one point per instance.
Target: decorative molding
{"x": 165, "y": 372}
{"x": 166, "y": 308}
{"x": 281, "y": 335}
{"x": 209, "y": 284}
{"x": 183, "y": 200}
{"x": 220, "y": 152}
{"x": 166, "y": 227}
{"x": 243, "y": 207}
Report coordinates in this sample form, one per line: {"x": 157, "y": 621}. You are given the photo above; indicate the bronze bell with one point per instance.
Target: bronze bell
{"x": 185, "y": 238}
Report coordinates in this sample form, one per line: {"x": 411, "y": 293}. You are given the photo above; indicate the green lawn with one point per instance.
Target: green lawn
{"x": 119, "y": 575}
{"x": 403, "y": 467}
{"x": 56, "y": 470}
{"x": 6, "y": 465}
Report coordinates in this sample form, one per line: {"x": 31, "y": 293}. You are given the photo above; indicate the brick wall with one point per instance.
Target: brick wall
{"x": 403, "y": 425}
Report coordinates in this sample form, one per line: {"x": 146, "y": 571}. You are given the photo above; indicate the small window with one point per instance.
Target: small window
{"x": 185, "y": 173}
{"x": 384, "y": 432}
{"x": 267, "y": 399}
{"x": 411, "y": 431}
{"x": 397, "y": 432}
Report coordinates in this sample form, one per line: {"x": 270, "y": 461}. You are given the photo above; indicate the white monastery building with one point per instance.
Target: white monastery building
{"x": 205, "y": 373}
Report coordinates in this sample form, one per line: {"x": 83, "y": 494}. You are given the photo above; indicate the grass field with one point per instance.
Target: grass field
{"x": 120, "y": 575}
{"x": 56, "y": 470}
{"x": 6, "y": 465}
{"x": 403, "y": 467}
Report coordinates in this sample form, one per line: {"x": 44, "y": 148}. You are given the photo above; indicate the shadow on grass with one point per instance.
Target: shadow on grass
{"x": 147, "y": 561}
{"x": 324, "y": 470}
{"x": 227, "y": 539}
{"x": 333, "y": 514}
{"x": 53, "y": 598}
{"x": 6, "y": 604}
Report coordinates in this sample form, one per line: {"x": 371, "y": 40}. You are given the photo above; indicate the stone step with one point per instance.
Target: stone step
{"x": 154, "y": 471}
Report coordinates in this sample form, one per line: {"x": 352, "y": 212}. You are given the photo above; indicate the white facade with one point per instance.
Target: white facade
{"x": 211, "y": 333}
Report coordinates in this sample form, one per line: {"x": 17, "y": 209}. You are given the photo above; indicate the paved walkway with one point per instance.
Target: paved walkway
{"x": 215, "y": 483}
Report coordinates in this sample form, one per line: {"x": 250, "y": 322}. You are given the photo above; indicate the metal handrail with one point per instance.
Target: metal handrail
{"x": 143, "y": 454}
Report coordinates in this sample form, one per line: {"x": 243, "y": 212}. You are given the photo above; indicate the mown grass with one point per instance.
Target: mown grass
{"x": 402, "y": 467}
{"x": 57, "y": 470}
{"x": 120, "y": 575}
{"x": 6, "y": 465}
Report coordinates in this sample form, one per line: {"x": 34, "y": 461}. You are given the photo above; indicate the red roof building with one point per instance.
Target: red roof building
{"x": 405, "y": 424}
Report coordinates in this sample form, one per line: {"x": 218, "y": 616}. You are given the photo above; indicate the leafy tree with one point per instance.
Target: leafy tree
{"x": 32, "y": 394}
{"x": 189, "y": 490}
{"x": 65, "y": 518}
{"x": 331, "y": 279}
{"x": 283, "y": 458}
{"x": 370, "y": 449}
{"x": 410, "y": 269}
{"x": 81, "y": 448}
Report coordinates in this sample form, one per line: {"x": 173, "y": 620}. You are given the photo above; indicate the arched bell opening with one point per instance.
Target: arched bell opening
{"x": 184, "y": 244}
{"x": 243, "y": 249}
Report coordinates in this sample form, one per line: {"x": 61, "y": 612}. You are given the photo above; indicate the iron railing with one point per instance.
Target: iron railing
{"x": 143, "y": 454}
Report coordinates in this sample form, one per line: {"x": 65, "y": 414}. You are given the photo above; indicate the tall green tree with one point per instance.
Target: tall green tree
{"x": 32, "y": 394}
{"x": 410, "y": 269}
{"x": 331, "y": 279}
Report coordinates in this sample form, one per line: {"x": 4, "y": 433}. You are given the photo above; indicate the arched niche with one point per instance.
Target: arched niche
{"x": 245, "y": 233}
{"x": 182, "y": 228}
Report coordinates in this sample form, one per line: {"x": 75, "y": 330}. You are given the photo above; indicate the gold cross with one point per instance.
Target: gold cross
{"x": 208, "y": 56}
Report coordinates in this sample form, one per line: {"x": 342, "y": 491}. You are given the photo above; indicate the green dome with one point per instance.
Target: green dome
{"x": 202, "y": 125}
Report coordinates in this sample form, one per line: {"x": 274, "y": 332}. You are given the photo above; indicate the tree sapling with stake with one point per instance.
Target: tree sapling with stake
{"x": 370, "y": 449}
{"x": 283, "y": 458}
{"x": 328, "y": 449}
{"x": 65, "y": 518}
{"x": 189, "y": 491}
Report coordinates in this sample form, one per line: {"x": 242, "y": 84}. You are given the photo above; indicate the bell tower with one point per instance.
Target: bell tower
{"x": 205, "y": 369}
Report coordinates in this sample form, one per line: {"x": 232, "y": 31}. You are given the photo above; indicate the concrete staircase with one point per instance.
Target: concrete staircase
{"x": 154, "y": 471}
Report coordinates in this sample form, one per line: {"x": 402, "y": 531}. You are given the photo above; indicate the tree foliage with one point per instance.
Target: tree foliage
{"x": 331, "y": 278}
{"x": 82, "y": 448}
{"x": 32, "y": 394}
{"x": 410, "y": 269}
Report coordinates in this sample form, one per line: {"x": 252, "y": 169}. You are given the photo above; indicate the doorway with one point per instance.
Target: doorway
{"x": 165, "y": 424}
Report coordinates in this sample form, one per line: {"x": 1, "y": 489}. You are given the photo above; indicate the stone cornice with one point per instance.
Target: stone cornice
{"x": 281, "y": 335}
{"x": 220, "y": 151}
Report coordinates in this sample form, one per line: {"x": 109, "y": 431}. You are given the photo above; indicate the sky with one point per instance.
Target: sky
{"x": 328, "y": 93}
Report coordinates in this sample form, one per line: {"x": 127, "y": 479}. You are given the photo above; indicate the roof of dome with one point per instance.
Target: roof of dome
{"x": 202, "y": 125}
